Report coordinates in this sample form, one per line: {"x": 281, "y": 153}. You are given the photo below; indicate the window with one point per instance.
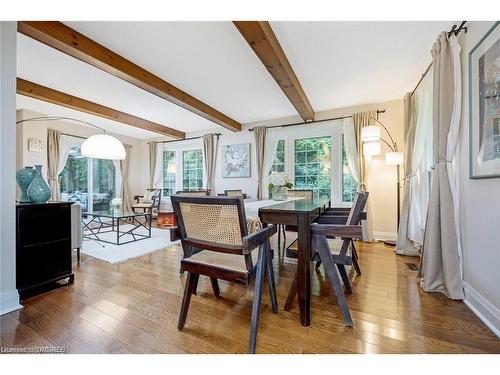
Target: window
{"x": 279, "y": 159}
{"x": 103, "y": 183}
{"x": 312, "y": 165}
{"x": 192, "y": 170}
{"x": 168, "y": 173}
{"x": 349, "y": 184}
{"x": 92, "y": 190}
{"x": 73, "y": 179}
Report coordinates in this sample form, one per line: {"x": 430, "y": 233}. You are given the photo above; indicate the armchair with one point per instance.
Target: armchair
{"x": 148, "y": 202}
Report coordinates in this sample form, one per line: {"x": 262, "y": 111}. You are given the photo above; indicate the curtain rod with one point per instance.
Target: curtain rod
{"x": 312, "y": 122}
{"x": 454, "y": 30}
{"x": 184, "y": 139}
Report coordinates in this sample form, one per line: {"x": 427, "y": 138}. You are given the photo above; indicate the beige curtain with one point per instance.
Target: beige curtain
{"x": 260, "y": 143}
{"x": 404, "y": 245}
{"x": 125, "y": 191}
{"x": 152, "y": 164}
{"x": 364, "y": 119}
{"x": 210, "y": 143}
{"x": 440, "y": 263}
{"x": 53, "y": 151}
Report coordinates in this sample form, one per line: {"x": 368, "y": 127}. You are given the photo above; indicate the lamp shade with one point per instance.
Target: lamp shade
{"x": 370, "y": 133}
{"x": 103, "y": 146}
{"x": 394, "y": 158}
{"x": 371, "y": 148}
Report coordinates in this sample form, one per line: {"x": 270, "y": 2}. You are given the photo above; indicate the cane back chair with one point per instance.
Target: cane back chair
{"x": 218, "y": 226}
{"x": 333, "y": 245}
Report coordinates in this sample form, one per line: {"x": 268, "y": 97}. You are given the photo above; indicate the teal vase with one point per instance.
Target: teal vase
{"x": 24, "y": 177}
{"x": 39, "y": 190}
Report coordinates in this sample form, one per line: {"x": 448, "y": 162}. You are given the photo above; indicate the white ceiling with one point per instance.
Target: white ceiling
{"x": 339, "y": 64}
{"x": 342, "y": 64}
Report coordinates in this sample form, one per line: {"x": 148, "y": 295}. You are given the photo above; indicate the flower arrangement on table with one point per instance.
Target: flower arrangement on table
{"x": 115, "y": 204}
{"x": 279, "y": 183}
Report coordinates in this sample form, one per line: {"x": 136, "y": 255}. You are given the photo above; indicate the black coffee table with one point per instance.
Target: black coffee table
{"x": 103, "y": 222}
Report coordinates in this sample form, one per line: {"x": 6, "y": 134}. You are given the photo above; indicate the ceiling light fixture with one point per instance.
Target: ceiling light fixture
{"x": 97, "y": 146}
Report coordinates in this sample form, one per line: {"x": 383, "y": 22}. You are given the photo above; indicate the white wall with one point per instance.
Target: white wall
{"x": 38, "y": 129}
{"x": 9, "y": 297}
{"x": 479, "y": 211}
{"x": 382, "y": 179}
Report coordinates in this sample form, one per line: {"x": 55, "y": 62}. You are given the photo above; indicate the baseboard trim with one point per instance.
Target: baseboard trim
{"x": 483, "y": 308}
{"x": 384, "y": 236}
{"x": 9, "y": 301}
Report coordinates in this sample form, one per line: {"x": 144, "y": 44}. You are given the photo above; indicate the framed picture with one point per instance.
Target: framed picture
{"x": 34, "y": 145}
{"x": 236, "y": 160}
{"x": 484, "y": 106}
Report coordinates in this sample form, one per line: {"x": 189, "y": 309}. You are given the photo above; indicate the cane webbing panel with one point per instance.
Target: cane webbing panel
{"x": 232, "y": 262}
{"x": 216, "y": 223}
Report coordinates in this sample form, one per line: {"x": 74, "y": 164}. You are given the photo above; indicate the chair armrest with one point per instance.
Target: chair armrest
{"x": 338, "y": 211}
{"x": 256, "y": 239}
{"x": 331, "y": 219}
{"x": 137, "y": 197}
{"x": 344, "y": 231}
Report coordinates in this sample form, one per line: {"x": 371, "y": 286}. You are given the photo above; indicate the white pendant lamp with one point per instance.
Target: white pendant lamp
{"x": 370, "y": 133}
{"x": 371, "y": 148}
{"x": 103, "y": 146}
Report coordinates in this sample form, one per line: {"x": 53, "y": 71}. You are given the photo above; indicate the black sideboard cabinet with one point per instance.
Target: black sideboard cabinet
{"x": 43, "y": 246}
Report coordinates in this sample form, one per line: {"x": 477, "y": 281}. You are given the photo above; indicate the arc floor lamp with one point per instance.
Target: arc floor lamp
{"x": 372, "y": 146}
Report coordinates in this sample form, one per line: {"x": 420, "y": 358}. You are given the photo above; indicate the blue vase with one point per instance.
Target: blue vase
{"x": 39, "y": 190}
{"x": 24, "y": 177}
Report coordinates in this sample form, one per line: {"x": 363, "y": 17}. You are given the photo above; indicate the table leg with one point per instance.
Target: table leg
{"x": 117, "y": 231}
{"x": 304, "y": 268}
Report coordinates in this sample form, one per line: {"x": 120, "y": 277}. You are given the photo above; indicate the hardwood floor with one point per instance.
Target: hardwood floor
{"x": 133, "y": 307}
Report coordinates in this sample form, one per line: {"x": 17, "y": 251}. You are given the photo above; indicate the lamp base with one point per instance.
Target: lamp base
{"x": 390, "y": 243}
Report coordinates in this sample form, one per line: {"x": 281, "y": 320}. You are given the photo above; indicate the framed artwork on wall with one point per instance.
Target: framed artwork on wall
{"x": 484, "y": 106}
{"x": 236, "y": 160}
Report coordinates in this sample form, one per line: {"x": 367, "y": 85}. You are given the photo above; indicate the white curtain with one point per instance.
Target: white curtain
{"x": 158, "y": 174}
{"x": 272, "y": 139}
{"x": 65, "y": 145}
{"x": 351, "y": 150}
{"x": 118, "y": 179}
{"x": 421, "y": 162}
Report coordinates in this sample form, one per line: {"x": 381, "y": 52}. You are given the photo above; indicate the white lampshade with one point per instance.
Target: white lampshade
{"x": 394, "y": 158}
{"x": 371, "y": 148}
{"x": 370, "y": 133}
{"x": 103, "y": 146}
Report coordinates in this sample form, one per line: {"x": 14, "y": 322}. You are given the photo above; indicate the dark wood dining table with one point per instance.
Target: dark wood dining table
{"x": 299, "y": 213}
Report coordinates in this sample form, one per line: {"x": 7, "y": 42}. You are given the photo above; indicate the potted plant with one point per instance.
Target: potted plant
{"x": 279, "y": 184}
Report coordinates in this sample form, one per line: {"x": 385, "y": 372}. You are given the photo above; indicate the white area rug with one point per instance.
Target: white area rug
{"x": 160, "y": 239}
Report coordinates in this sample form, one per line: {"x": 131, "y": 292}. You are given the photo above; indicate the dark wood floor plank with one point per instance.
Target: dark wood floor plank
{"x": 133, "y": 307}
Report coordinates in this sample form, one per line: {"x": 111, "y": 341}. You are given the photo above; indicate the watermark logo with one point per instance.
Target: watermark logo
{"x": 34, "y": 350}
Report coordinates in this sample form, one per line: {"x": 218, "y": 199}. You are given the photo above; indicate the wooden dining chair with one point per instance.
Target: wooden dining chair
{"x": 307, "y": 194}
{"x": 333, "y": 245}
{"x": 234, "y": 193}
{"x": 218, "y": 226}
{"x": 198, "y": 193}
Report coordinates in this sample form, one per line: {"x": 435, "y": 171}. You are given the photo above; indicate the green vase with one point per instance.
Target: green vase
{"x": 24, "y": 177}
{"x": 39, "y": 190}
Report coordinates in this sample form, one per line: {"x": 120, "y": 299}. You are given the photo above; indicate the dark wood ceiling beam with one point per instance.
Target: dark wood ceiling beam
{"x": 63, "y": 38}
{"x": 47, "y": 94}
{"x": 266, "y": 46}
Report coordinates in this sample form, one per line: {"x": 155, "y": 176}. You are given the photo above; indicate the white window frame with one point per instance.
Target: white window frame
{"x": 179, "y": 147}
{"x": 331, "y": 129}
{"x": 76, "y": 142}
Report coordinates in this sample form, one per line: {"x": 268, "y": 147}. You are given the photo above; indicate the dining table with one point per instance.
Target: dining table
{"x": 299, "y": 213}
